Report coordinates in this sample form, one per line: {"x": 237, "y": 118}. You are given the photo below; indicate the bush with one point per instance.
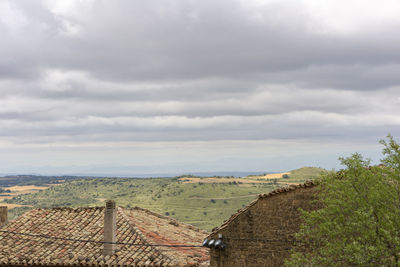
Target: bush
{"x": 359, "y": 224}
{"x": 4, "y": 190}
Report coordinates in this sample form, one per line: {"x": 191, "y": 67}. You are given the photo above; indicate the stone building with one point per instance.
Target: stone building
{"x": 99, "y": 236}
{"x": 262, "y": 233}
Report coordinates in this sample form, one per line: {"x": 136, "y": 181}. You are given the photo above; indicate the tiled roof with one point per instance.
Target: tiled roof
{"x": 262, "y": 196}
{"x": 134, "y": 226}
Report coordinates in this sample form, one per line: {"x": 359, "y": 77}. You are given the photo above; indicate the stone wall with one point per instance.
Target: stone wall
{"x": 261, "y": 235}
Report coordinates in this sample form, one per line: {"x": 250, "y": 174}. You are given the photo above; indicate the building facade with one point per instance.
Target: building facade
{"x": 262, "y": 234}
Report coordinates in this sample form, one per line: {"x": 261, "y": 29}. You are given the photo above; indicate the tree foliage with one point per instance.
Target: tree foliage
{"x": 359, "y": 224}
{"x": 4, "y": 190}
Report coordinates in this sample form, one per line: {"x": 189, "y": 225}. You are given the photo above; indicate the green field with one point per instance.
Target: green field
{"x": 203, "y": 204}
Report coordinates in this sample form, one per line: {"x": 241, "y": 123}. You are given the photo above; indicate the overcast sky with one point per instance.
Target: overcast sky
{"x": 129, "y": 87}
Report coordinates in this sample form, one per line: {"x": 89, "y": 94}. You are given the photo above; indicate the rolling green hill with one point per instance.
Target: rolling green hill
{"x": 309, "y": 172}
{"x": 204, "y": 203}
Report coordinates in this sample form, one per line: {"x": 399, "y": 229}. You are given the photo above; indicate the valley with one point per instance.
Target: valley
{"x": 202, "y": 201}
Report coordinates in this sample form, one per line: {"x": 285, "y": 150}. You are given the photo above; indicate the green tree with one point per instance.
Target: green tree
{"x": 359, "y": 224}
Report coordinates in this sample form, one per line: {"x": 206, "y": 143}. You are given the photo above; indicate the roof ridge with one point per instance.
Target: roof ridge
{"x": 141, "y": 235}
{"x": 287, "y": 188}
{"x": 274, "y": 192}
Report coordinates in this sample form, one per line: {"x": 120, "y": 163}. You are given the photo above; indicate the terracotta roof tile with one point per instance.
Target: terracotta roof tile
{"x": 137, "y": 226}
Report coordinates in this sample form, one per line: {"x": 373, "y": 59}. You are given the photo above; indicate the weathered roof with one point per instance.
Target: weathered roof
{"x": 261, "y": 196}
{"x": 134, "y": 226}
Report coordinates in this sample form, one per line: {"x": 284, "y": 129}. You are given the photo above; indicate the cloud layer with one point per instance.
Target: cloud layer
{"x": 95, "y": 72}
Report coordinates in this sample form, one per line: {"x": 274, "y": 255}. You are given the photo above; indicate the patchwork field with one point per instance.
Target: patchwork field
{"x": 19, "y": 190}
{"x": 203, "y": 201}
{"x": 274, "y": 175}
{"x": 215, "y": 180}
{"x": 283, "y": 178}
{"x": 26, "y": 188}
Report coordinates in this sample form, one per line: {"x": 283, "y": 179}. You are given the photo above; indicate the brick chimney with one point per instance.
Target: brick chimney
{"x": 110, "y": 228}
{"x": 3, "y": 215}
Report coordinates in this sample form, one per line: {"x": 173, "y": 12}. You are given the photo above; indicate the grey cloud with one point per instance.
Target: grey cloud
{"x": 169, "y": 40}
{"x": 236, "y": 129}
{"x": 349, "y": 77}
{"x": 264, "y": 100}
{"x": 185, "y": 70}
{"x": 26, "y": 40}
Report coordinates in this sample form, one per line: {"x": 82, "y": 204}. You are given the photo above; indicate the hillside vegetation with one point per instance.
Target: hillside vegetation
{"x": 358, "y": 223}
{"x": 202, "y": 203}
{"x": 310, "y": 172}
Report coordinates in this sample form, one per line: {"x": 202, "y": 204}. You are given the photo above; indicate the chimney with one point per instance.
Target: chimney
{"x": 110, "y": 228}
{"x": 3, "y": 215}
